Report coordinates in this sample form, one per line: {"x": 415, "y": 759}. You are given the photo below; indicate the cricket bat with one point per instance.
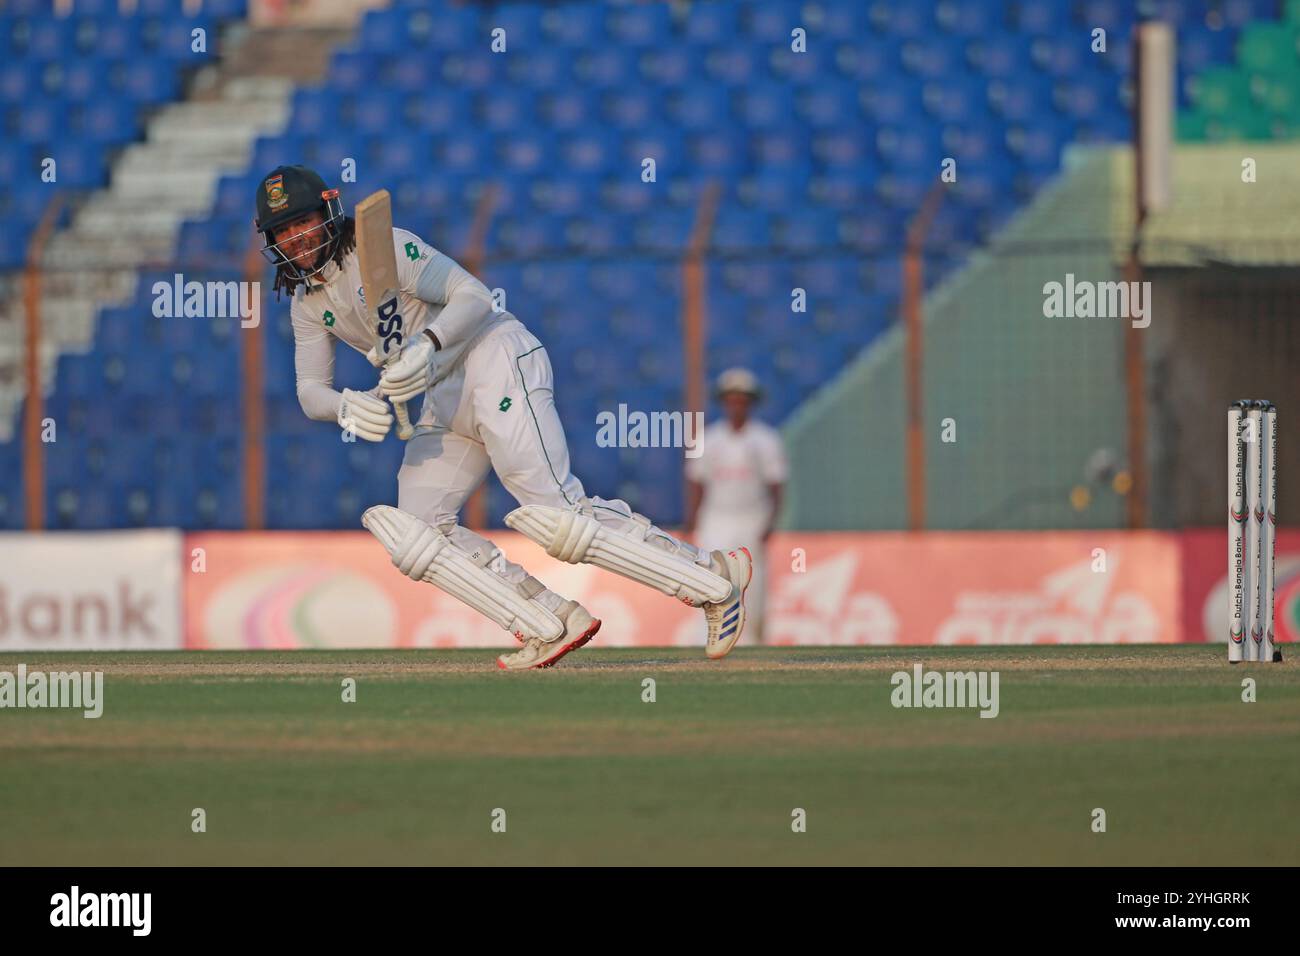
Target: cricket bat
{"x": 378, "y": 259}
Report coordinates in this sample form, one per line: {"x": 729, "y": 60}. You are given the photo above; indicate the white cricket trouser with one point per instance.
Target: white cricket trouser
{"x": 497, "y": 410}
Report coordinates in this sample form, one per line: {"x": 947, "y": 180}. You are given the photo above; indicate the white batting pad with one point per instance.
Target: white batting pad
{"x": 579, "y": 538}
{"x": 421, "y": 551}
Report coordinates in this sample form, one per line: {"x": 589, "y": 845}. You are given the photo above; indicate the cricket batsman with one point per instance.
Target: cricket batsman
{"x": 488, "y": 395}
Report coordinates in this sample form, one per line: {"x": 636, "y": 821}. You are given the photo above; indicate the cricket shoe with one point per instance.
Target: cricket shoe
{"x": 727, "y": 617}
{"x": 579, "y": 628}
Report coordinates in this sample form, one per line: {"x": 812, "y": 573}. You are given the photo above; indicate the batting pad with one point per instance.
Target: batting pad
{"x": 412, "y": 542}
{"x": 579, "y": 538}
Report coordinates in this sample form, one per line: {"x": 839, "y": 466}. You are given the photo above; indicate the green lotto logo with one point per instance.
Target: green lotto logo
{"x": 390, "y": 325}
{"x": 328, "y": 319}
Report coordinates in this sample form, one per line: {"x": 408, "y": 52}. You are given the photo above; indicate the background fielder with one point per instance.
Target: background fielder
{"x": 735, "y": 484}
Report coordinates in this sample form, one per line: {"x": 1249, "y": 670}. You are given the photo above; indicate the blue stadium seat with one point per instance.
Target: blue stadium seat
{"x": 731, "y": 64}
{"x": 632, "y": 108}
{"x": 109, "y": 121}
{"x": 450, "y": 29}
{"x": 80, "y": 165}
{"x": 116, "y": 37}
{"x": 765, "y": 105}
{"x": 1041, "y": 17}
{"x": 505, "y": 111}
{"x": 972, "y": 17}
{"x": 935, "y": 57}
{"x": 1002, "y": 55}
{"x": 893, "y": 103}
{"x": 709, "y": 23}
{"x": 20, "y": 80}
{"x": 567, "y": 109}
{"x": 955, "y": 98}
{"x": 578, "y": 25}
{"x": 49, "y": 38}
{"x": 441, "y": 114}
{"x": 522, "y": 23}
{"x": 810, "y": 231}
{"x": 701, "y": 108}
{"x": 82, "y": 78}
{"x": 41, "y": 119}
{"x": 915, "y": 145}
{"x": 176, "y": 39}
{"x": 738, "y": 229}
{"x": 667, "y": 147}
{"x": 383, "y": 30}
{"x": 589, "y": 152}
{"x": 149, "y": 81}
{"x": 377, "y": 111}
{"x": 642, "y": 25}
{"x": 315, "y": 110}
{"x": 845, "y": 148}
{"x": 524, "y": 236}
{"x": 546, "y": 68}
{"x": 902, "y": 20}
{"x": 664, "y": 230}
{"x": 1063, "y": 56}
{"x": 466, "y": 154}
{"x": 1020, "y": 102}
{"x": 352, "y": 71}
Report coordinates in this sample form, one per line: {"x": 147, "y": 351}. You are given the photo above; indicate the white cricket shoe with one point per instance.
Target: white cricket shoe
{"x": 727, "y": 618}
{"x": 579, "y": 628}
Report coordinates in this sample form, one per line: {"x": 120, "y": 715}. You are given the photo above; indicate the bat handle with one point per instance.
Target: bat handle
{"x": 404, "y": 429}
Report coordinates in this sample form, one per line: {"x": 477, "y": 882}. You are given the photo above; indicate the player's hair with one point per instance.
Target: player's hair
{"x": 346, "y": 242}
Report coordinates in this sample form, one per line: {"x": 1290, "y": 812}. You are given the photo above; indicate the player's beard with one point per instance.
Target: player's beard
{"x": 322, "y": 256}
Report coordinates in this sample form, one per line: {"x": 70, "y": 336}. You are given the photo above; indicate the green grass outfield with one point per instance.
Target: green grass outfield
{"x": 707, "y": 774}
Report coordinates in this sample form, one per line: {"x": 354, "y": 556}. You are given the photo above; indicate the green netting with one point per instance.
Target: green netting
{"x": 1031, "y": 401}
{"x": 1268, "y": 47}
{"x": 1221, "y": 91}
{"x": 1191, "y": 126}
{"x": 1278, "y": 93}
{"x": 1037, "y": 404}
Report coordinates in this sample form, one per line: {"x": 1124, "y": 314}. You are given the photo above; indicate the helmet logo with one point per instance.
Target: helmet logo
{"x": 276, "y": 197}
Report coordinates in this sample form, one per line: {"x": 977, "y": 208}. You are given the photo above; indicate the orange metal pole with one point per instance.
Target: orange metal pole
{"x": 913, "y": 292}
{"x": 1134, "y": 358}
{"x": 694, "y": 313}
{"x": 34, "y": 406}
{"x": 253, "y": 372}
{"x": 472, "y": 258}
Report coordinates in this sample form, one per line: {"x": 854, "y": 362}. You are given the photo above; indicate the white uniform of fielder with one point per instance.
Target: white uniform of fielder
{"x": 736, "y": 470}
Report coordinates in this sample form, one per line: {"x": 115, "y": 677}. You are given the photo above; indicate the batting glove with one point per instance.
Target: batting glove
{"x": 409, "y": 376}
{"x": 364, "y": 415}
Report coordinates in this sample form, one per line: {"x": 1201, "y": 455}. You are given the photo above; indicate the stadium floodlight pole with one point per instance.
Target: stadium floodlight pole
{"x": 1153, "y": 65}
{"x": 913, "y": 292}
